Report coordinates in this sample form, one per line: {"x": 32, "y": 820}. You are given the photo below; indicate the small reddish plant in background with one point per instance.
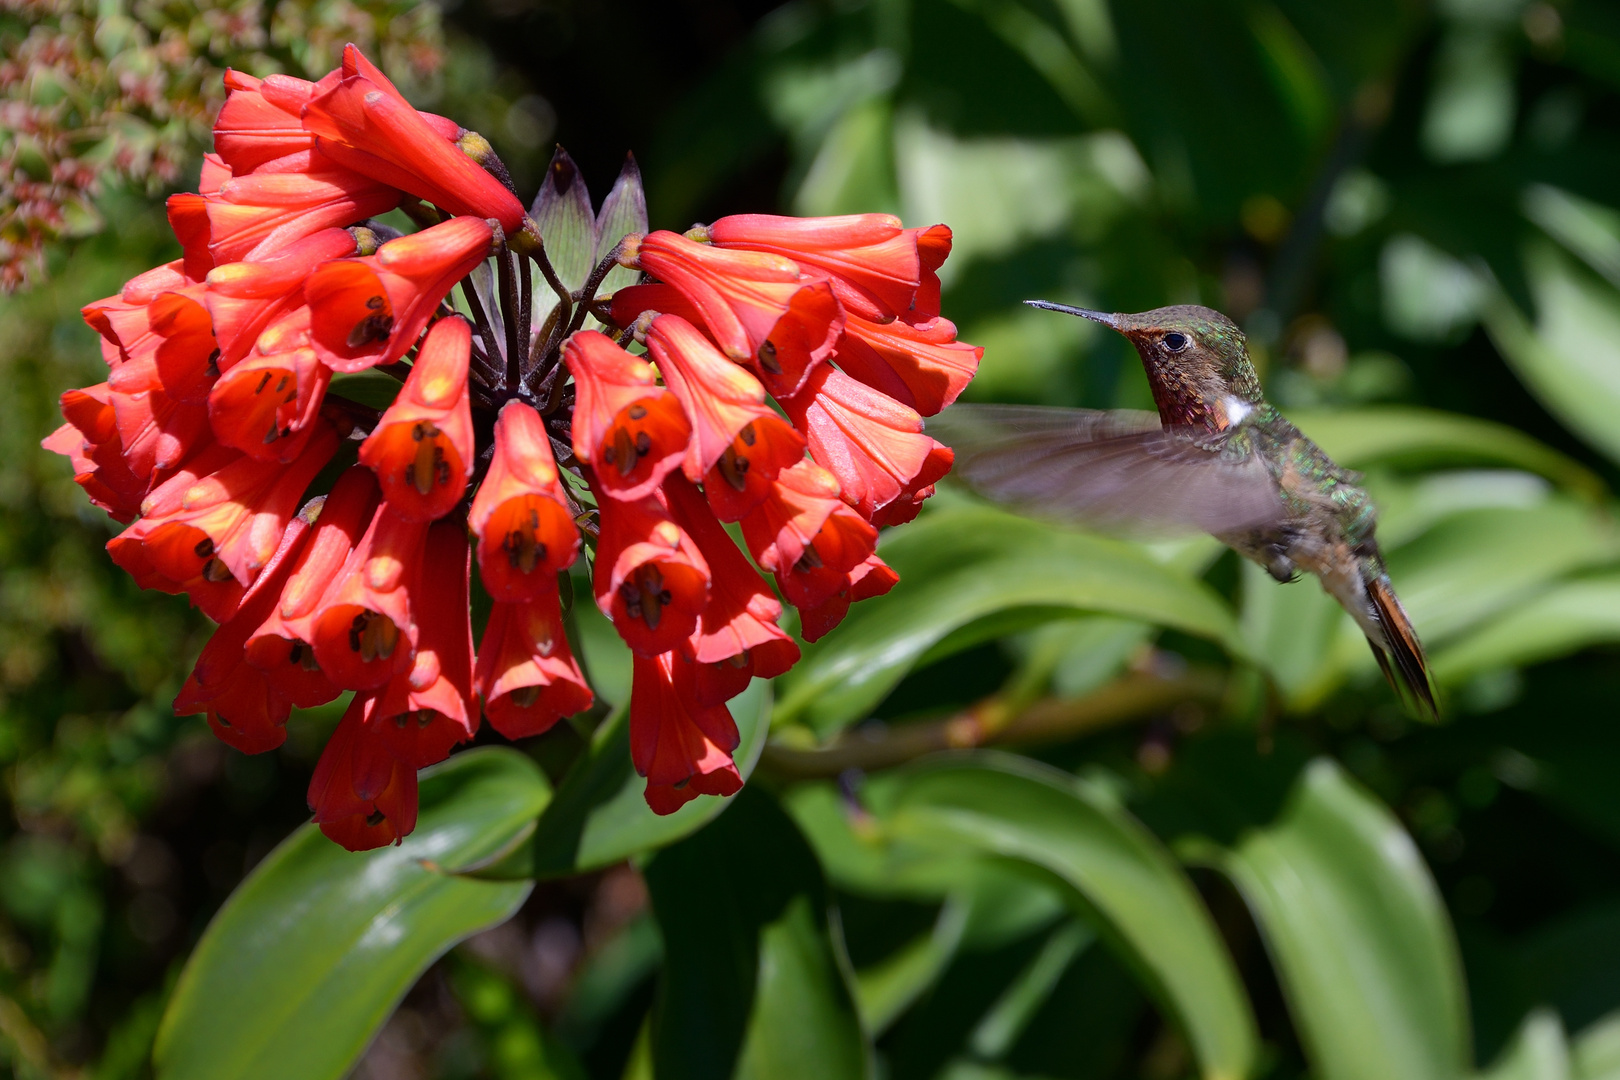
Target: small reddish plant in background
{"x": 513, "y": 440}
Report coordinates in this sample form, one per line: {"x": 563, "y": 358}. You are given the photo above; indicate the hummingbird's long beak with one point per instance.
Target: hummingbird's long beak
{"x": 1095, "y": 316}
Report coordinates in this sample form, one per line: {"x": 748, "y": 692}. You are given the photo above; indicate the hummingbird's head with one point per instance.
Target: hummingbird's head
{"x": 1196, "y": 358}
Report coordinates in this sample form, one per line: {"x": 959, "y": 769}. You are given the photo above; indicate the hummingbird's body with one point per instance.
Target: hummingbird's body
{"x": 1218, "y": 456}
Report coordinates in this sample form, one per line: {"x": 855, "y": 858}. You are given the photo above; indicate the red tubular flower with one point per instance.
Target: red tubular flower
{"x": 650, "y": 579}
{"x": 367, "y": 311}
{"x": 872, "y": 578}
{"x": 922, "y": 366}
{"x": 365, "y": 124}
{"x": 737, "y": 637}
{"x": 90, "y": 440}
{"x": 243, "y": 707}
{"x": 157, "y": 432}
{"x": 246, "y": 297}
{"x": 164, "y": 344}
{"x": 364, "y": 629}
{"x": 526, "y": 674}
{"x": 282, "y": 653}
{"x": 719, "y": 398}
{"x": 683, "y": 749}
{"x": 362, "y": 796}
{"x": 188, "y": 218}
{"x": 759, "y": 308}
{"x": 266, "y": 405}
{"x": 526, "y": 534}
{"x": 425, "y": 711}
{"x": 933, "y": 248}
{"x": 869, "y": 259}
{"x": 211, "y": 528}
{"x": 422, "y": 448}
{"x": 251, "y": 217}
{"x": 806, "y": 536}
{"x": 870, "y": 442}
{"x": 260, "y": 121}
{"x": 626, "y": 426}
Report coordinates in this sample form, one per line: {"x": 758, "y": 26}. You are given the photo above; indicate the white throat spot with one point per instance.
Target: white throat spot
{"x": 1236, "y": 409}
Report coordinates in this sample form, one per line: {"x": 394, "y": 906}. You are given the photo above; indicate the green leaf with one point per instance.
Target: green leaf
{"x": 965, "y": 573}
{"x": 1400, "y": 435}
{"x": 624, "y": 211}
{"x": 1570, "y": 616}
{"x": 1358, "y": 934}
{"x": 1538, "y": 1051}
{"x": 312, "y": 952}
{"x": 886, "y": 989}
{"x": 753, "y": 985}
{"x": 1596, "y": 1050}
{"x": 1015, "y": 809}
{"x": 371, "y": 388}
{"x": 1570, "y": 357}
{"x": 562, "y": 209}
{"x": 600, "y": 815}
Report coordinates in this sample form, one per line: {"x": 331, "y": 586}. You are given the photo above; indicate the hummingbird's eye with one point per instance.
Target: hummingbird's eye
{"x": 1174, "y": 341}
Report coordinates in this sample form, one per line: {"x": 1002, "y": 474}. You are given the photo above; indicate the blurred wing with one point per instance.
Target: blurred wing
{"x": 1108, "y": 469}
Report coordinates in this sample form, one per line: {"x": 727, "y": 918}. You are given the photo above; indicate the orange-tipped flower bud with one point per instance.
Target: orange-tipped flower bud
{"x": 526, "y": 674}
{"x": 628, "y": 428}
{"x": 422, "y": 448}
{"x": 369, "y": 310}
{"x": 526, "y": 535}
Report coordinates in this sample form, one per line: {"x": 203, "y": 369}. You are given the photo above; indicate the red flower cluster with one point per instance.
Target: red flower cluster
{"x": 215, "y": 424}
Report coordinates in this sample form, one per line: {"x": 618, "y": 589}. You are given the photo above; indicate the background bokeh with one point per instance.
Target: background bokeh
{"x": 1412, "y": 208}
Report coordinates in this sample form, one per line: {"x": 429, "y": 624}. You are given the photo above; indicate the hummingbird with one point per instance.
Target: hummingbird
{"x": 1217, "y": 457}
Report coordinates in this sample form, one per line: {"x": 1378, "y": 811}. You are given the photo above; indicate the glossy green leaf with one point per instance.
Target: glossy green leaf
{"x": 1570, "y": 356}
{"x": 1403, "y": 436}
{"x": 371, "y": 388}
{"x": 968, "y": 567}
{"x": 886, "y": 989}
{"x": 311, "y": 953}
{"x": 1015, "y": 809}
{"x": 1569, "y": 616}
{"x": 753, "y": 986}
{"x": 600, "y": 815}
{"x": 1358, "y": 934}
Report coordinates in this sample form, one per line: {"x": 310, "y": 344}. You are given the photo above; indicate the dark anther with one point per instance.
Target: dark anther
{"x": 371, "y": 328}
{"x": 375, "y": 818}
{"x": 637, "y": 412}
{"x": 205, "y": 547}
{"x": 767, "y": 358}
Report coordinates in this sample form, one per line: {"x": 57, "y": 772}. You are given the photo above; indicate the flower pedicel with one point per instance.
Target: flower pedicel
{"x": 505, "y": 440}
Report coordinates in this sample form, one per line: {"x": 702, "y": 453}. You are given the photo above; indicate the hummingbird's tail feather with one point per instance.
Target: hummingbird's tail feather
{"x": 1401, "y": 654}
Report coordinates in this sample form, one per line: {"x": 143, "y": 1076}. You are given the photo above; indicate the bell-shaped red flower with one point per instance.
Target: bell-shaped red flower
{"x": 922, "y": 366}
{"x": 526, "y": 534}
{"x": 683, "y": 748}
{"x": 872, "y": 578}
{"x": 629, "y": 429}
{"x": 719, "y": 398}
{"x": 260, "y": 124}
{"x": 363, "y": 797}
{"x": 807, "y": 536}
{"x": 737, "y": 637}
{"x": 251, "y": 217}
{"x": 870, "y": 260}
{"x": 364, "y": 629}
{"x": 208, "y": 534}
{"x": 871, "y": 443}
{"x": 90, "y": 441}
{"x": 369, "y": 310}
{"x": 364, "y": 123}
{"x": 526, "y": 673}
{"x": 758, "y": 308}
{"x": 422, "y": 448}
{"x": 266, "y": 405}
{"x": 164, "y": 344}
{"x": 242, "y": 705}
{"x": 283, "y": 653}
{"x": 424, "y": 712}
{"x": 244, "y": 298}
{"x": 650, "y": 579}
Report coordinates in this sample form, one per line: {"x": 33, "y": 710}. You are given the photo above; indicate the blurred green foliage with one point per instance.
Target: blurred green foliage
{"x": 1222, "y": 850}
